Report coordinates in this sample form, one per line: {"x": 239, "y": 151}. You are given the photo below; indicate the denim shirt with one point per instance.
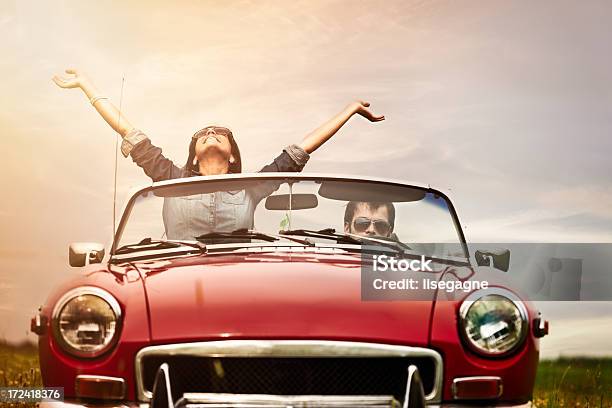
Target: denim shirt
{"x": 190, "y": 216}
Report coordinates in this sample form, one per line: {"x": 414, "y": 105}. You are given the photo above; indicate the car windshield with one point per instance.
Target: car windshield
{"x": 293, "y": 210}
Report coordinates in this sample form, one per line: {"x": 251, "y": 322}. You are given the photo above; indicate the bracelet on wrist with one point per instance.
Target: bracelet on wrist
{"x": 95, "y": 99}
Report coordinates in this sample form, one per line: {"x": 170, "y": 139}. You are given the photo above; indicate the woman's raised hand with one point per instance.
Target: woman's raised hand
{"x": 102, "y": 104}
{"x": 361, "y": 108}
{"x": 317, "y": 137}
{"x": 73, "y": 80}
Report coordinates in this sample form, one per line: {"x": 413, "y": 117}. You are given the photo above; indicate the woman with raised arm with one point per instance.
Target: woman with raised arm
{"x": 212, "y": 150}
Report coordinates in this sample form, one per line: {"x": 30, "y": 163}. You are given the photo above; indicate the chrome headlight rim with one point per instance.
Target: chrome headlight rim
{"x": 476, "y": 296}
{"x": 72, "y": 294}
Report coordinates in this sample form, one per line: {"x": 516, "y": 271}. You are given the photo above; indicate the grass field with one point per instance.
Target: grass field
{"x": 574, "y": 382}
{"x": 567, "y": 382}
{"x": 19, "y": 365}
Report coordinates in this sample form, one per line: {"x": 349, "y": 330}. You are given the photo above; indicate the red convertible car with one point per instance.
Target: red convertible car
{"x": 257, "y": 290}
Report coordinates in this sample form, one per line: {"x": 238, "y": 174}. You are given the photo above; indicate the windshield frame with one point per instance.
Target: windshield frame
{"x": 137, "y": 192}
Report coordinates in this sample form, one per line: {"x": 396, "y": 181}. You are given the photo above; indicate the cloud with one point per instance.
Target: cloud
{"x": 591, "y": 199}
{"x": 541, "y": 225}
{"x": 6, "y": 286}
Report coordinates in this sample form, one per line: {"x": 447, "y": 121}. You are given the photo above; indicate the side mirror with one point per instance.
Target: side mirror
{"x": 85, "y": 253}
{"x": 500, "y": 258}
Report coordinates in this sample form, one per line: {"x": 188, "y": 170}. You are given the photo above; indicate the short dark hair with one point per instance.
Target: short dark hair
{"x": 235, "y": 167}
{"x": 351, "y": 207}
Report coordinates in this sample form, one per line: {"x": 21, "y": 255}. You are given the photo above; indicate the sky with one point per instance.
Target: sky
{"x": 506, "y": 106}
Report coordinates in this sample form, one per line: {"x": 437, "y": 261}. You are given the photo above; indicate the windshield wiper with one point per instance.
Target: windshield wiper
{"x": 386, "y": 242}
{"x": 149, "y": 244}
{"x": 236, "y": 236}
{"x": 330, "y": 233}
{"x": 326, "y": 233}
{"x": 242, "y": 233}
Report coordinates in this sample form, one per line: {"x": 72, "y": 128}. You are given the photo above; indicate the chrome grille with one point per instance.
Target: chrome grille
{"x": 289, "y": 367}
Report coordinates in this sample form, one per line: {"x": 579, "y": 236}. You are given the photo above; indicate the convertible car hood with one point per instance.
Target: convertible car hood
{"x": 275, "y": 295}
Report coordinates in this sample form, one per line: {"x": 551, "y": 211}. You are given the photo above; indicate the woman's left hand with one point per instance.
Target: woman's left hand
{"x": 361, "y": 108}
{"x": 320, "y": 135}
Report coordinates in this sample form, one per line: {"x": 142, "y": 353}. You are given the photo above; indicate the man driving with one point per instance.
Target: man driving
{"x": 369, "y": 219}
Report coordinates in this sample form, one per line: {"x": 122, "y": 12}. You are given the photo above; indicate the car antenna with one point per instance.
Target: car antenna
{"x": 290, "y": 204}
{"x": 117, "y": 159}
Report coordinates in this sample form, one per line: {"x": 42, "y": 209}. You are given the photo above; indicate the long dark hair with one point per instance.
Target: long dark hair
{"x": 191, "y": 169}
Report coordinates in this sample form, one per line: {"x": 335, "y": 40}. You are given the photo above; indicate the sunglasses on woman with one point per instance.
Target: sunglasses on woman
{"x": 381, "y": 227}
{"x": 221, "y": 131}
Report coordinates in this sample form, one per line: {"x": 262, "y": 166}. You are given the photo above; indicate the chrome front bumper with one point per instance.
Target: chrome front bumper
{"x": 500, "y": 405}
{"x": 283, "y": 401}
{"x": 131, "y": 404}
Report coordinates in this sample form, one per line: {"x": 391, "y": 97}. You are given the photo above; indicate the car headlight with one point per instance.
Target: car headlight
{"x": 493, "y": 322}
{"x": 86, "y": 321}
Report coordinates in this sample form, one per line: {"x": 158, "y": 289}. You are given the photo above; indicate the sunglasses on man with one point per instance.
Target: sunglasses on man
{"x": 362, "y": 224}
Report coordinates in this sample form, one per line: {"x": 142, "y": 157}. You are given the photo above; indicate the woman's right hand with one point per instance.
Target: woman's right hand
{"x": 75, "y": 79}
{"x": 102, "y": 104}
